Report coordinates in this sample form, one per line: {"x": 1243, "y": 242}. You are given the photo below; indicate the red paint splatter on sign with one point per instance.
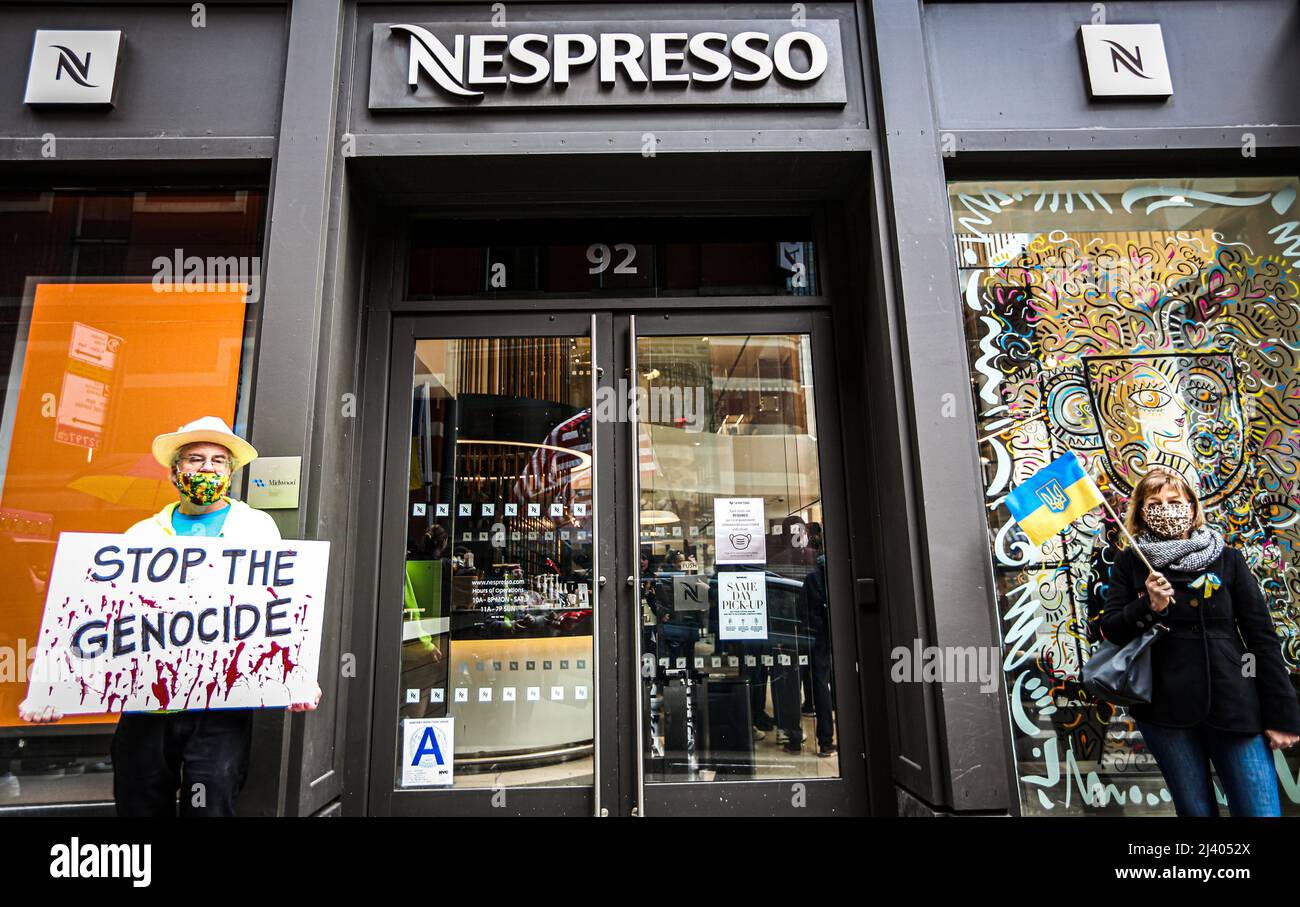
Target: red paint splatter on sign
{"x": 287, "y": 663}
{"x": 232, "y": 667}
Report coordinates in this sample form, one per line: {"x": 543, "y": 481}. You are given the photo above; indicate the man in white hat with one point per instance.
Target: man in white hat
{"x": 202, "y": 458}
{"x": 153, "y": 752}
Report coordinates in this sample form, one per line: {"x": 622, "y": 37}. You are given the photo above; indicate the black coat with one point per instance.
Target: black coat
{"x": 1197, "y": 666}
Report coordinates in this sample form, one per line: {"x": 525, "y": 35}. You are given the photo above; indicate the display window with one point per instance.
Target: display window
{"x": 122, "y": 315}
{"x": 1135, "y": 323}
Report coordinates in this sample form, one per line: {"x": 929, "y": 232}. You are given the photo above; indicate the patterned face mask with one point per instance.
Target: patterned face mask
{"x": 203, "y": 487}
{"x": 1168, "y": 521}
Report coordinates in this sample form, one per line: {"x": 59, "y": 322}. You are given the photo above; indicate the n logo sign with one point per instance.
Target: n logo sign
{"x": 1129, "y": 59}
{"x": 1125, "y": 61}
{"x": 73, "y": 67}
{"x": 78, "y": 70}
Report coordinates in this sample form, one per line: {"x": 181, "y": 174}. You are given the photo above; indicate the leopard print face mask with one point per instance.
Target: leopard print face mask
{"x": 1169, "y": 521}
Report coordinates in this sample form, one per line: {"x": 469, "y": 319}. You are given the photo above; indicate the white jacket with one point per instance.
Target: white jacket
{"x": 242, "y": 522}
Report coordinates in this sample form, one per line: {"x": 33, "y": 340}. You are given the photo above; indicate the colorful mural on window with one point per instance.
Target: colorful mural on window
{"x": 1135, "y": 323}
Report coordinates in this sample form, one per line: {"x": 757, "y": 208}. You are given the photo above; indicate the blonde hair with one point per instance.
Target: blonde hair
{"x": 1153, "y": 482}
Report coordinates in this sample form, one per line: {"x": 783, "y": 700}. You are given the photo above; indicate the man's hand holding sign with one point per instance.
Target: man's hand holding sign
{"x": 182, "y": 625}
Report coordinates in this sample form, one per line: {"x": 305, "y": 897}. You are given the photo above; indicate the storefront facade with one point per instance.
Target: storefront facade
{"x": 861, "y": 267}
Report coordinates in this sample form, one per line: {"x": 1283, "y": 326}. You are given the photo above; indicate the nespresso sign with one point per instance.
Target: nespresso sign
{"x": 599, "y": 64}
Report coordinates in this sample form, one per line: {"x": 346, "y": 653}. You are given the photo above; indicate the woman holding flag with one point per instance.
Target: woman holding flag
{"x": 1221, "y": 693}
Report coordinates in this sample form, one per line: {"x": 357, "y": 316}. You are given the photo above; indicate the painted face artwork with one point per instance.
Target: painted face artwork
{"x": 1169, "y": 521}
{"x": 1144, "y": 420}
{"x": 203, "y": 487}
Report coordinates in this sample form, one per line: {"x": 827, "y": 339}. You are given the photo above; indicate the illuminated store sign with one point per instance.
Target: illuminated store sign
{"x": 458, "y": 65}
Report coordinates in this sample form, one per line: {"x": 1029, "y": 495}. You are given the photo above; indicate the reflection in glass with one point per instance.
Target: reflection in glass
{"x": 497, "y": 609}
{"x": 736, "y": 662}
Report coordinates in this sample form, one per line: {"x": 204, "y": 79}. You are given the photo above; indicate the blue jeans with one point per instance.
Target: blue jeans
{"x": 1243, "y": 762}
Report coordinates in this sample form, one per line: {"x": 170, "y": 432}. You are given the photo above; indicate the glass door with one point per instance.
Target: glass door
{"x": 489, "y": 669}
{"x": 530, "y": 460}
{"x": 747, "y": 700}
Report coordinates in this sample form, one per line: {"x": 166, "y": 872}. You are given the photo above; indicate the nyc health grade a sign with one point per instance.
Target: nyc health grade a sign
{"x": 194, "y": 623}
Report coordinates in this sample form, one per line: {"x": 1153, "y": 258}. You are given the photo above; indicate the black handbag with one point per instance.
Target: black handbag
{"x": 1122, "y": 674}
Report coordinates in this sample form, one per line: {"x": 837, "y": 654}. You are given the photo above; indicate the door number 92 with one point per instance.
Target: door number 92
{"x": 601, "y": 256}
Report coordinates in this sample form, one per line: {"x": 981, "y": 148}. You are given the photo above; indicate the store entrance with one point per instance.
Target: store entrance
{"x": 615, "y": 577}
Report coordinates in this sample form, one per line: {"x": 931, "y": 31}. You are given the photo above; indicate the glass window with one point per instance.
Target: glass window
{"x": 735, "y": 645}
{"x": 1133, "y": 322}
{"x": 497, "y": 621}
{"x": 122, "y": 315}
{"x": 666, "y": 256}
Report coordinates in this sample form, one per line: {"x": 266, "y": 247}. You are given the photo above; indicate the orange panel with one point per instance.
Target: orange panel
{"x": 106, "y": 368}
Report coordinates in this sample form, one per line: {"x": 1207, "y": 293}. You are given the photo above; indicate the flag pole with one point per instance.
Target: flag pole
{"x": 1124, "y": 529}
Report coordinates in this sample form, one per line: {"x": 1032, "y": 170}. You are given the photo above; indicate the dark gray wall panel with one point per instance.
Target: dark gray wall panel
{"x": 173, "y": 79}
{"x": 1018, "y": 65}
{"x": 938, "y": 567}
{"x": 296, "y": 373}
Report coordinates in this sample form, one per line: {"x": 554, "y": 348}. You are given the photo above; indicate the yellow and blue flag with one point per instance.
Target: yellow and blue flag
{"x": 1053, "y": 498}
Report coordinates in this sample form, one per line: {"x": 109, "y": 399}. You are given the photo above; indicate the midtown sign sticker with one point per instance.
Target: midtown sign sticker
{"x": 458, "y": 65}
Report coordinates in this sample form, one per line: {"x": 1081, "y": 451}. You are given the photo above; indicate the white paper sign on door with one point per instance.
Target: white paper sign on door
{"x": 738, "y": 527}
{"x": 428, "y": 750}
{"x": 742, "y": 605}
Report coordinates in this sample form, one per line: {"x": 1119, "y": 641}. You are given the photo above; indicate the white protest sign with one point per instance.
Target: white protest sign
{"x": 742, "y": 605}
{"x": 139, "y": 624}
{"x": 428, "y": 751}
{"x": 738, "y": 528}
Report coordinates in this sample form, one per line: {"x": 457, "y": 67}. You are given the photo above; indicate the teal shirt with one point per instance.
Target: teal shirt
{"x": 206, "y": 524}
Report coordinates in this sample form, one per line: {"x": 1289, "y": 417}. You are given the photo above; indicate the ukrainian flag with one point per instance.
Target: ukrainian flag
{"x": 1056, "y": 496}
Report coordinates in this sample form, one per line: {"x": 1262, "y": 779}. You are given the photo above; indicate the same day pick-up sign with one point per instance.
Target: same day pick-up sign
{"x": 194, "y": 623}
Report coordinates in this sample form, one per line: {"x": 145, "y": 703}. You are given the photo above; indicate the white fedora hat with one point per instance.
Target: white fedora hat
{"x": 209, "y": 428}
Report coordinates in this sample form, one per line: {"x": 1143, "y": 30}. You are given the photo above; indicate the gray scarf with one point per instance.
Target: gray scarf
{"x": 1184, "y": 555}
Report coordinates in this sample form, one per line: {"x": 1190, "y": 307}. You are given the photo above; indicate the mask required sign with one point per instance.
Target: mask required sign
{"x": 604, "y": 64}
